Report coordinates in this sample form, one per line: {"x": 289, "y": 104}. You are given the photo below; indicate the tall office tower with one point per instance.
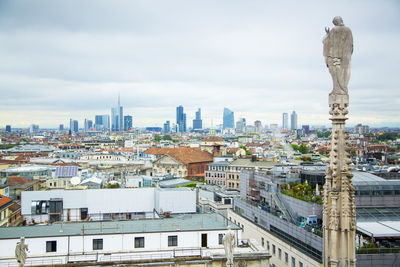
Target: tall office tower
{"x": 102, "y": 122}
{"x": 198, "y": 123}
{"x": 8, "y": 128}
{"x": 73, "y": 126}
{"x": 285, "y": 121}
{"x": 167, "y": 127}
{"x": 258, "y": 126}
{"x": 98, "y": 122}
{"x": 34, "y": 128}
{"x": 241, "y": 125}
{"x": 106, "y": 122}
{"x": 228, "y": 119}
{"x": 117, "y": 117}
{"x": 306, "y": 129}
{"x": 180, "y": 120}
{"x": 61, "y": 127}
{"x": 127, "y": 122}
{"x": 293, "y": 121}
{"x": 88, "y": 125}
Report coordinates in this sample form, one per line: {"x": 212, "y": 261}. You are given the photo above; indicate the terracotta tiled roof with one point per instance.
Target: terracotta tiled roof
{"x": 253, "y": 144}
{"x": 14, "y": 207}
{"x": 17, "y": 180}
{"x": 4, "y": 200}
{"x": 185, "y": 155}
{"x": 213, "y": 139}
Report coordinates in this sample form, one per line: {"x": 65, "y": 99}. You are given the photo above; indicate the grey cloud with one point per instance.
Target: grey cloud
{"x": 260, "y": 58}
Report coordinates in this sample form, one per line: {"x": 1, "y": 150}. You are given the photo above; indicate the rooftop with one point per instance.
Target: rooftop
{"x": 30, "y": 148}
{"x": 4, "y": 200}
{"x": 181, "y": 222}
{"x": 249, "y": 163}
{"x": 185, "y": 155}
{"x": 26, "y": 168}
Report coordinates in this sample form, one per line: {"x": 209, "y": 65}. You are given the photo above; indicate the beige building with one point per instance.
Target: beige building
{"x": 214, "y": 145}
{"x": 233, "y": 170}
{"x": 168, "y": 165}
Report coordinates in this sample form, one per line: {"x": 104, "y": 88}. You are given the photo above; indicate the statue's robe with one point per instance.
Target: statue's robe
{"x": 338, "y": 48}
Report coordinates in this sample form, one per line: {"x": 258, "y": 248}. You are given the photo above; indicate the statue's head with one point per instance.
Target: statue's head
{"x": 338, "y": 21}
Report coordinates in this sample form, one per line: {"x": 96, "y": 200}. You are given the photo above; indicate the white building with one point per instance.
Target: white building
{"x": 197, "y": 235}
{"x": 105, "y": 204}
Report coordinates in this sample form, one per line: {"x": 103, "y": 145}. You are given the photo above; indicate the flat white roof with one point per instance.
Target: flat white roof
{"x": 380, "y": 228}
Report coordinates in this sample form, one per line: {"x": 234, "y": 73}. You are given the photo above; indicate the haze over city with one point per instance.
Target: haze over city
{"x": 259, "y": 59}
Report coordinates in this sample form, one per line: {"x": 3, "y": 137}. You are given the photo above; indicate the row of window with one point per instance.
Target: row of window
{"x": 293, "y": 260}
{"x": 232, "y": 185}
{"x": 215, "y": 175}
{"x": 214, "y": 168}
{"x": 51, "y": 246}
{"x": 216, "y": 182}
{"x": 233, "y": 176}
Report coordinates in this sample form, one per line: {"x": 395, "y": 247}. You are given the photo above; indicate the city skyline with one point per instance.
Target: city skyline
{"x": 72, "y": 66}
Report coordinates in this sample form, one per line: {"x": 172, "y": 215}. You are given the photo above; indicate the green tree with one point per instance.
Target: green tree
{"x": 323, "y": 134}
{"x": 112, "y": 185}
{"x": 303, "y": 149}
{"x": 295, "y": 147}
{"x": 167, "y": 137}
{"x": 157, "y": 138}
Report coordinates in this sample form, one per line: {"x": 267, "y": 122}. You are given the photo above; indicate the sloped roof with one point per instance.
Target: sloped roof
{"x": 4, "y": 200}
{"x": 184, "y": 155}
{"x": 17, "y": 180}
{"x": 213, "y": 138}
{"x": 14, "y": 207}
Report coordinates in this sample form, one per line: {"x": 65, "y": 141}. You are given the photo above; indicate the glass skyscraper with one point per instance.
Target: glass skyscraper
{"x": 293, "y": 121}
{"x": 197, "y": 122}
{"x": 127, "y": 122}
{"x": 228, "y": 119}
{"x": 285, "y": 121}
{"x": 117, "y": 118}
{"x": 180, "y": 120}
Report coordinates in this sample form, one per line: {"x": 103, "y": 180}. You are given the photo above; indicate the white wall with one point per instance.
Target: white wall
{"x": 112, "y": 243}
{"x": 113, "y": 201}
{"x": 176, "y": 201}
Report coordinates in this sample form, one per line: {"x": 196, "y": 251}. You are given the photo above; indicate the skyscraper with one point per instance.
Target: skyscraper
{"x": 117, "y": 117}
{"x": 61, "y": 127}
{"x": 102, "y": 122}
{"x": 285, "y": 121}
{"x": 127, "y": 122}
{"x": 88, "y": 125}
{"x": 241, "y": 125}
{"x": 197, "y": 122}
{"x": 258, "y": 126}
{"x": 293, "y": 121}
{"x": 167, "y": 127}
{"x": 34, "y": 128}
{"x": 8, "y": 128}
{"x": 228, "y": 119}
{"x": 73, "y": 126}
{"x": 180, "y": 120}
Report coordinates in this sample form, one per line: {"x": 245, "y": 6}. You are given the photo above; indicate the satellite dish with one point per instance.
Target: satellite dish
{"x": 75, "y": 180}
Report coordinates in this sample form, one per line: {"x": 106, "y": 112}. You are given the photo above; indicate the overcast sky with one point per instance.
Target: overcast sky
{"x": 70, "y": 59}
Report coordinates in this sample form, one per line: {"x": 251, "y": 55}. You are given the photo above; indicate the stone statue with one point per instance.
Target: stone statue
{"x": 20, "y": 252}
{"x": 338, "y": 48}
{"x": 229, "y": 243}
